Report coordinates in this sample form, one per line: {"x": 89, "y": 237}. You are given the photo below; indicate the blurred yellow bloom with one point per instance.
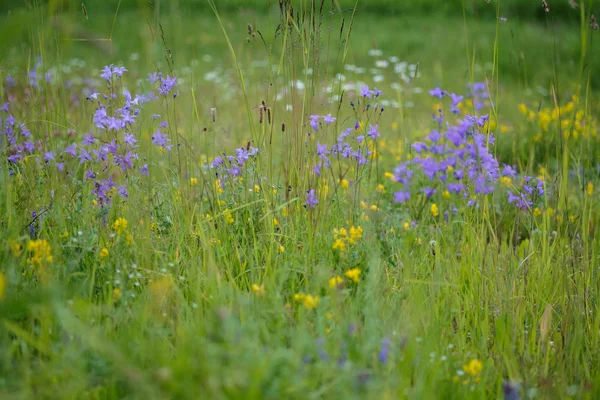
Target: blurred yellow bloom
{"x": 15, "y": 248}
{"x": 506, "y": 181}
{"x": 120, "y": 225}
{"x": 257, "y": 188}
{"x": 309, "y": 301}
{"x": 275, "y": 222}
{"x": 117, "y": 294}
{"x": 280, "y": 248}
{"x": 193, "y": 181}
{"x": 344, "y": 184}
{"x": 536, "y": 212}
{"x": 406, "y": 226}
{"x": 353, "y": 274}
{"x": 41, "y": 251}
{"x": 523, "y": 109}
{"x": 446, "y": 194}
{"x": 380, "y": 188}
{"x": 335, "y": 282}
{"x": 473, "y": 368}
{"x": 104, "y": 253}
{"x": 434, "y": 210}
{"x": 258, "y": 289}
{"x": 388, "y": 175}
{"x": 228, "y": 217}
{"x": 590, "y": 188}
{"x": 339, "y": 245}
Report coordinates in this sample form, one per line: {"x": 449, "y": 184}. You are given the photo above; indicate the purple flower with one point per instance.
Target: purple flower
{"x": 89, "y": 139}
{"x": 373, "y": 131}
{"x": 437, "y": 92}
{"x": 60, "y": 166}
{"x": 122, "y": 191}
{"x": 107, "y": 72}
{"x": 84, "y": 156}
{"x": 71, "y": 150}
{"x": 119, "y": 71}
{"x": 429, "y": 191}
{"x": 90, "y": 175}
{"x": 360, "y": 138}
{"x": 402, "y": 196}
{"x": 167, "y": 84}
{"x": 456, "y": 99}
{"x": 48, "y": 156}
{"x": 161, "y": 140}
{"x": 130, "y": 139}
{"x": 365, "y": 92}
{"x": 322, "y": 150}
{"x": 377, "y": 92}
{"x": 328, "y": 119}
{"x": 4, "y": 107}
{"x": 314, "y": 122}
{"x": 384, "y": 352}
{"x": 311, "y": 198}
{"x": 144, "y": 170}
{"x": 154, "y": 77}
{"x": 509, "y": 171}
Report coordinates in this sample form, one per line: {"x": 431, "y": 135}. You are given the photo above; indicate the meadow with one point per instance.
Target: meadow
{"x": 300, "y": 199}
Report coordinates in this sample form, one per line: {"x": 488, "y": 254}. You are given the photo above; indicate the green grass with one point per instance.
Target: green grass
{"x": 201, "y": 293}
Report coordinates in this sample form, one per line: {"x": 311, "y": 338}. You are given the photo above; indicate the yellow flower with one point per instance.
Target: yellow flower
{"x": 311, "y": 302}
{"x": 353, "y": 274}
{"x": 64, "y": 235}
{"x": 275, "y": 222}
{"x": 228, "y": 217}
{"x": 41, "y": 251}
{"x": 380, "y": 188}
{"x": 2, "y": 286}
{"x": 15, "y": 248}
{"x": 355, "y": 233}
{"x": 104, "y": 253}
{"x": 335, "y": 282}
{"x": 373, "y": 207}
{"x": 536, "y": 212}
{"x": 344, "y": 183}
{"x": 434, "y": 210}
{"x": 446, "y": 194}
{"x": 280, "y": 248}
{"x": 193, "y": 181}
{"x": 590, "y": 188}
{"x": 550, "y": 211}
{"x": 523, "y": 109}
{"x": 388, "y": 175}
{"x": 339, "y": 245}
{"x": 506, "y": 181}
{"x": 257, "y": 188}
{"x": 406, "y": 226}
{"x": 258, "y": 289}
{"x": 117, "y": 294}
{"x": 120, "y": 225}
{"x": 218, "y": 186}
{"x": 129, "y": 239}
{"x": 473, "y": 368}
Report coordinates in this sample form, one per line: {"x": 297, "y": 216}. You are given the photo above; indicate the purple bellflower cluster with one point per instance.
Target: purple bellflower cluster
{"x": 232, "y": 165}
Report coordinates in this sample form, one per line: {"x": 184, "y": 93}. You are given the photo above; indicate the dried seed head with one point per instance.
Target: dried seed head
{"x": 269, "y": 115}
{"x": 594, "y": 22}
{"x": 213, "y": 114}
{"x": 260, "y": 118}
{"x": 283, "y": 127}
{"x": 573, "y": 3}
{"x": 545, "y": 5}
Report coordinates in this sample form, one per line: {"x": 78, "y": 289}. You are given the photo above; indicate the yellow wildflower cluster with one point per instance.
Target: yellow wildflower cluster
{"x": 343, "y": 238}
{"x": 473, "y": 368}
{"x": 120, "y": 225}
{"x": 41, "y": 251}
{"x": 258, "y": 289}
{"x": 104, "y": 253}
{"x": 228, "y": 216}
{"x": 434, "y": 210}
{"x": 309, "y": 301}
{"x": 335, "y": 282}
{"x": 571, "y": 118}
{"x": 353, "y": 274}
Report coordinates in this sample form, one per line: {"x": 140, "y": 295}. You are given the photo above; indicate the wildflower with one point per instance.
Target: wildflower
{"x": 353, "y": 274}
{"x": 117, "y": 294}
{"x": 311, "y": 302}
{"x": 434, "y": 210}
{"x": 275, "y": 222}
{"x": 120, "y": 225}
{"x": 257, "y": 188}
{"x": 193, "y": 181}
{"x": 590, "y": 188}
{"x": 344, "y": 183}
{"x": 335, "y": 282}
{"x": 384, "y": 352}
{"x": 473, "y": 368}
{"x": 311, "y": 198}
{"x": 228, "y": 216}
{"x": 401, "y": 196}
{"x": 536, "y": 212}
{"x": 340, "y": 245}
{"x": 314, "y": 122}
{"x": 258, "y": 289}
{"x": 328, "y": 119}
{"x": 280, "y": 248}
{"x": 41, "y": 251}
{"x": 355, "y": 234}
{"x": 437, "y": 92}
{"x": 380, "y": 188}
{"x": 104, "y": 253}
